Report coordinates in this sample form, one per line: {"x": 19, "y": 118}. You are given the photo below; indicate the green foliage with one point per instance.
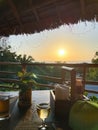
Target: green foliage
{"x": 95, "y": 59}
{"x": 94, "y": 99}
{"x": 7, "y": 55}
{"x": 6, "y": 86}
{"x": 92, "y": 73}
{"x": 91, "y": 98}
{"x": 24, "y": 59}
{"x": 26, "y": 80}
{"x": 85, "y": 93}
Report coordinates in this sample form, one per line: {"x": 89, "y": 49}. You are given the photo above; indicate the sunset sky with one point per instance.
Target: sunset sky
{"x": 70, "y": 43}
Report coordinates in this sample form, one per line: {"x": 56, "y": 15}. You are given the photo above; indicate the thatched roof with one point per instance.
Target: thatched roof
{"x": 29, "y": 16}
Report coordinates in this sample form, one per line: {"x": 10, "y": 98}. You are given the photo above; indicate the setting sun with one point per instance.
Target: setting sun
{"x": 61, "y": 52}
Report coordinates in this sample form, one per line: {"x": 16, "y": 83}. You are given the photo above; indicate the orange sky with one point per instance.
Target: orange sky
{"x": 80, "y": 42}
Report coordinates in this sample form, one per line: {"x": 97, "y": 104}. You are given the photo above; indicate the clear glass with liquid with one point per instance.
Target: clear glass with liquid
{"x": 4, "y": 107}
{"x": 43, "y": 110}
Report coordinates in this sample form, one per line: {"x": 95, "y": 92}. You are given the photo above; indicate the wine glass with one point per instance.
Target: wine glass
{"x": 43, "y": 110}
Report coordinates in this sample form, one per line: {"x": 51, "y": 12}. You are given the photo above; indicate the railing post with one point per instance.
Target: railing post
{"x": 73, "y": 85}
{"x": 73, "y": 81}
{"x": 84, "y": 76}
{"x": 63, "y": 73}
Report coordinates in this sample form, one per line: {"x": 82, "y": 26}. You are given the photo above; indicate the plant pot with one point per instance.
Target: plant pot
{"x": 25, "y": 98}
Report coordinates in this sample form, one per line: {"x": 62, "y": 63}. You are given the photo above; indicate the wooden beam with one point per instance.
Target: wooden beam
{"x": 30, "y": 2}
{"x": 45, "y": 85}
{"x": 50, "y": 78}
{"x": 7, "y": 72}
{"x": 91, "y": 82}
{"x": 57, "y": 11}
{"x": 34, "y": 10}
{"x": 46, "y": 2}
{"x": 7, "y": 80}
{"x": 83, "y": 8}
{"x": 15, "y": 12}
{"x": 35, "y": 13}
{"x": 91, "y": 91}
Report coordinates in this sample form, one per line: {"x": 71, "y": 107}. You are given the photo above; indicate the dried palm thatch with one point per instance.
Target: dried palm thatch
{"x": 30, "y": 16}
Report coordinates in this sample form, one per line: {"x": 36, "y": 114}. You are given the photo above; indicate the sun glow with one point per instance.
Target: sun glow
{"x": 61, "y": 52}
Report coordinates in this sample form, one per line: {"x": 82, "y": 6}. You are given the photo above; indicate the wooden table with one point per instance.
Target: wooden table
{"x": 28, "y": 120}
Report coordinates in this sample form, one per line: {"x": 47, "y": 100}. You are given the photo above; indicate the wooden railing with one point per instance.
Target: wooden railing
{"x": 82, "y": 66}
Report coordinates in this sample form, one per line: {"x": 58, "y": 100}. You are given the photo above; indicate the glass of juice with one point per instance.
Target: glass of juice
{"x": 4, "y": 107}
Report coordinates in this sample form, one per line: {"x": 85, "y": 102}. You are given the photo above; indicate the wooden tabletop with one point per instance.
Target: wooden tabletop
{"x": 27, "y": 120}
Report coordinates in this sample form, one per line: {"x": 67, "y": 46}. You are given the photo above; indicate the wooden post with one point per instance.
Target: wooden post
{"x": 63, "y": 73}
{"x": 84, "y": 76}
{"x": 73, "y": 85}
{"x": 73, "y": 81}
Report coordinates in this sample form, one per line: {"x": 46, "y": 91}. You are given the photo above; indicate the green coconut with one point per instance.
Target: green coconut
{"x": 84, "y": 116}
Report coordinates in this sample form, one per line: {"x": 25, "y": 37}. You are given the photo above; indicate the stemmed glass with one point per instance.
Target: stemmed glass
{"x": 43, "y": 110}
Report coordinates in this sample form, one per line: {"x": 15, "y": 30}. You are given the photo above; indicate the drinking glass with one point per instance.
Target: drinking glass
{"x": 43, "y": 110}
{"x": 4, "y": 107}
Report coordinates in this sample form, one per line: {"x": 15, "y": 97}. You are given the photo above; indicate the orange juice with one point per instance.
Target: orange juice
{"x": 4, "y": 107}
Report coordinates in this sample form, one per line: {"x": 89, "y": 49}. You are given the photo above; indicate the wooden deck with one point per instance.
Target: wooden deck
{"x": 29, "y": 120}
